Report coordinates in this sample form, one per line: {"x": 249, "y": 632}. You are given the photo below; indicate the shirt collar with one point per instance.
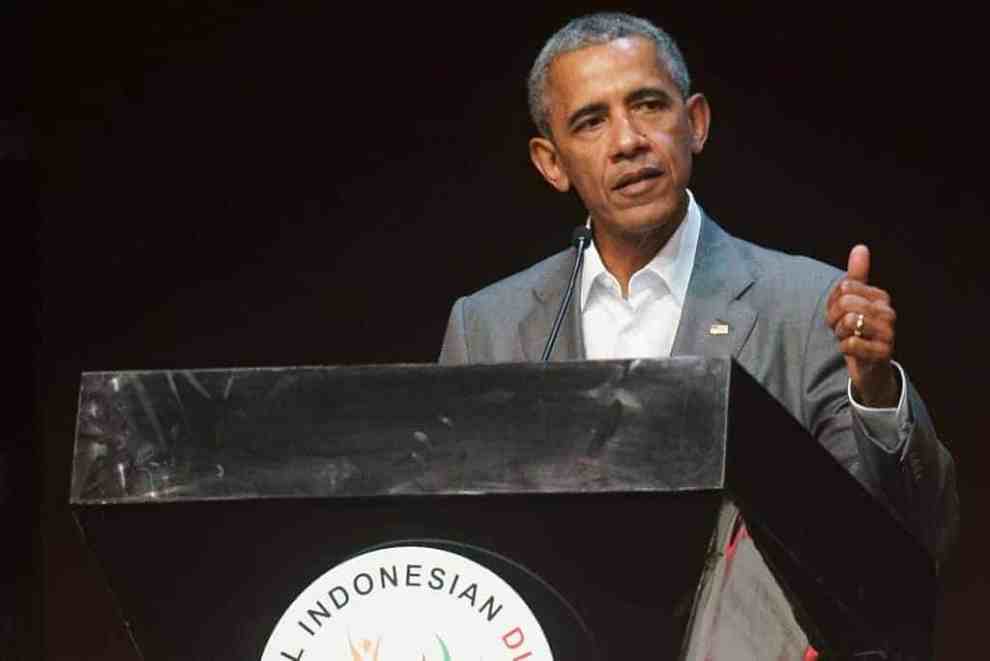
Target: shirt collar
{"x": 673, "y": 263}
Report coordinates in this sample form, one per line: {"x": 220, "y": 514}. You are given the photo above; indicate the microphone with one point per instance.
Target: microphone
{"x": 581, "y": 239}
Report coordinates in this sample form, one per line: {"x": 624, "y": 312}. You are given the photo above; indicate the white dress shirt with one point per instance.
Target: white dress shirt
{"x": 643, "y": 325}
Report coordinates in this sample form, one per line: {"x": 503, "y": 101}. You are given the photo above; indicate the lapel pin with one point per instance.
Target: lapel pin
{"x": 719, "y": 329}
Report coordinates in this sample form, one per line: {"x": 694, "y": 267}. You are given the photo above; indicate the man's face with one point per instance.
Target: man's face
{"x": 623, "y": 136}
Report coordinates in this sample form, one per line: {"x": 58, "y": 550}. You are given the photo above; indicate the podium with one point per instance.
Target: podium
{"x": 231, "y": 511}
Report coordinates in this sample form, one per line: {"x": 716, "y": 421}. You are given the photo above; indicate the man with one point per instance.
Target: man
{"x": 610, "y": 95}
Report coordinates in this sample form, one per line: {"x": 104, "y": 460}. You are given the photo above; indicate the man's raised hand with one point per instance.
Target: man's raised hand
{"x": 862, "y": 319}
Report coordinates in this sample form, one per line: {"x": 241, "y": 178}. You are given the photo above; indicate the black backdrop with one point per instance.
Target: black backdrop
{"x": 223, "y": 186}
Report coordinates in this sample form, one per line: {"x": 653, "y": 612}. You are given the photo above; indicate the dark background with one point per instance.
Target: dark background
{"x": 205, "y": 185}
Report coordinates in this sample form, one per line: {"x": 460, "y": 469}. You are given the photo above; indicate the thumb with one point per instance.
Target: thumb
{"x": 859, "y": 263}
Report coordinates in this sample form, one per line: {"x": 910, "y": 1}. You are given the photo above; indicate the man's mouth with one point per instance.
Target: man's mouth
{"x": 632, "y": 178}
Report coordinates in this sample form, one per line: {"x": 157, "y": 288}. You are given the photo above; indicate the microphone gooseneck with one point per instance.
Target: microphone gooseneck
{"x": 581, "y": 239}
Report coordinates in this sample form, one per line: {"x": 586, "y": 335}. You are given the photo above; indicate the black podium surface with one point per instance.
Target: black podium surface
{"x": 598, "y": 491}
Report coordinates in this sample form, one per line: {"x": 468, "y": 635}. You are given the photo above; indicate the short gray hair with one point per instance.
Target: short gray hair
{"x": 593, "y": 30}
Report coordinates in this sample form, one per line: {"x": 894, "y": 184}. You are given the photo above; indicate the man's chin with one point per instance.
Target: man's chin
{"x": 644, "y": 227}
{"x": 648, "y": 222}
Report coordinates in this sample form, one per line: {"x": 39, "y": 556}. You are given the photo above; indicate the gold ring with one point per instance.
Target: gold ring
{"x": 858, "y": 331}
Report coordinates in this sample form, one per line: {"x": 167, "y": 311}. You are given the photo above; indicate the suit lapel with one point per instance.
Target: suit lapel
{"x": 716, "y": 321}
{"x": 534, "y": 329}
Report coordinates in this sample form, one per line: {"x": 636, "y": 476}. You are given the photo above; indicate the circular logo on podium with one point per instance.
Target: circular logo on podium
{"x": 408, "y": 603}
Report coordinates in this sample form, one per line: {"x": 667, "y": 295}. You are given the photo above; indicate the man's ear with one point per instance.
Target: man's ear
{"x": 546, "y": 159}
{"x": 700, "y": 116}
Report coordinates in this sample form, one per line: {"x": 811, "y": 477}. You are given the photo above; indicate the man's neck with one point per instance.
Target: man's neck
{"x": 623, "y": 256}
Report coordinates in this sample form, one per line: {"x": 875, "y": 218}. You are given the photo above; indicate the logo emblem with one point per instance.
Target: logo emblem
{"x": 408, "y": 603}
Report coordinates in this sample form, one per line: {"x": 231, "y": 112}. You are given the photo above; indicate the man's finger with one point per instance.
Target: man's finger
{"x": 859, "y": 263}
{"x": 857, "y": 288}
{"x": 844, "y": 304}
{"x": 874, "y": 328}
{"x": 846, "y": 288}
{"x": 863, "y": 349}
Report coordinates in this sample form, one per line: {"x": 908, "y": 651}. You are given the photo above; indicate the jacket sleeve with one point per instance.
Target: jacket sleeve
{"x": 919, "y": 478}
{"x": 915, "y": 477}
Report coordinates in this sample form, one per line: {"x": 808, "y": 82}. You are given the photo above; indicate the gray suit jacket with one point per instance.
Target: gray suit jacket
{"x": 774, "y": 306}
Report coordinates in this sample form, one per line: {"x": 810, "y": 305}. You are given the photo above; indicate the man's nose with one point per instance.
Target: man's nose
{"x": 627, "y": 139}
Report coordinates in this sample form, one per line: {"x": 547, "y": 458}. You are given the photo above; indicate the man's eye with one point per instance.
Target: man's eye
{"x": 589, "y": 123}
{"x": 651, "y": 105}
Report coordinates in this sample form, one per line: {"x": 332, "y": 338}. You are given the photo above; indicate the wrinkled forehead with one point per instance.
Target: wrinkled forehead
{"x": 601, "y": 72}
